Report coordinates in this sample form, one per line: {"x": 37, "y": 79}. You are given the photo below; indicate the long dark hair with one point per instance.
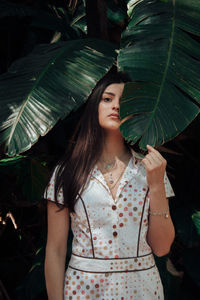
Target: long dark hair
{"x": 86, "y": 145}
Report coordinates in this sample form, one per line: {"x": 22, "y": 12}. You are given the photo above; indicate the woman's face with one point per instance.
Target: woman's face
{"x": 109, "y": 106}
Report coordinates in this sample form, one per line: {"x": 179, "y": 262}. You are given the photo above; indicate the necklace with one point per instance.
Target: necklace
{"x": 112, "y": 164}
{"x": 110, "y": 167}
{"x": 111, "y": 181}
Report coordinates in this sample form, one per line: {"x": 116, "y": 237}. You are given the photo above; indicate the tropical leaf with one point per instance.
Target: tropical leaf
{"x": 46, "y": 86}
{"x": 196, "y": 220}
{"x": 116, "y": 11}
{"x": 160, "y": 50}
{"x": 78, "y": 20}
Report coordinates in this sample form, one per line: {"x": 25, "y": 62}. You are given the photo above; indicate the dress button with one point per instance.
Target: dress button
{"x": 114, "y": 207}
{"x": 114, "y": 233}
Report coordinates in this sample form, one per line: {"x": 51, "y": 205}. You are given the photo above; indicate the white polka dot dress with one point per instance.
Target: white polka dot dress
{"x": 111, "y": 258}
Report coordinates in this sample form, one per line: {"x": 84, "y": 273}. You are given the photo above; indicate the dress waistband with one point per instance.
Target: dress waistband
{"x": 112, "y": 265}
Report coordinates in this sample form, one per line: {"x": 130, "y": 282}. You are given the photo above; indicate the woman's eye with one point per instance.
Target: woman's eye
{"x": 107, "y": 99}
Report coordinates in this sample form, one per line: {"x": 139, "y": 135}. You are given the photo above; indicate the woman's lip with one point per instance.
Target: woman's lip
{"x": 114, "y": 116}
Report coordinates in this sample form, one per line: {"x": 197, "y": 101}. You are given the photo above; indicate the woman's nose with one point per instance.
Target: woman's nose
{"x": 116, "y": 104}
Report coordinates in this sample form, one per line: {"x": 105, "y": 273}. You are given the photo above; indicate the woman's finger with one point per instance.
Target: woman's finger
{"x": 149, "y": 159}
{"x": 157, "y": 153}
{"x": 146, "y": 162}
{"x": 155, "y": 158}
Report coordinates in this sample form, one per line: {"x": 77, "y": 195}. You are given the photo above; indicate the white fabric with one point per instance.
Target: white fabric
{"x": 109, "y": 235}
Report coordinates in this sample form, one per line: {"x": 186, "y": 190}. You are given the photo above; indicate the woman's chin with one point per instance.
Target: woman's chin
{"x": 113, "y": 125}
{"x": 112, "y": 129}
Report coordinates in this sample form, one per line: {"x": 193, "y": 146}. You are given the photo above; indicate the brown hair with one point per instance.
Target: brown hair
{"x": 85, "y": 147}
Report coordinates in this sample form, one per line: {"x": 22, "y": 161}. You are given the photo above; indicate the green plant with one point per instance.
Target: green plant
{"x": 157, "y": 43}
{"x": 158, "y": 52}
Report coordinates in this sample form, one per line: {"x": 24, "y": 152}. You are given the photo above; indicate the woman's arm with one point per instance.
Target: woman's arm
{"x": 56, "y": 249}
{"x": 161, "y": 231}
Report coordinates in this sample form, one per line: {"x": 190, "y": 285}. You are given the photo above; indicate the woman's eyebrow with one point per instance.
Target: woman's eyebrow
{"x": 109, "y": 93}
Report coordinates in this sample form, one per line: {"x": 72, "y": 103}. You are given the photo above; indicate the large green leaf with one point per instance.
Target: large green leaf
{"x": 160, "y": 50}
{"x": 47, "y": 85}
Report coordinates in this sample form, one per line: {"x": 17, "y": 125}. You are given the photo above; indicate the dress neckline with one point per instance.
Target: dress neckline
{"x": 100, "y": 177}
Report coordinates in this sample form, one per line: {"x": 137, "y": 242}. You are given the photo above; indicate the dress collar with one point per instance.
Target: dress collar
{"x": 130, "y": 171}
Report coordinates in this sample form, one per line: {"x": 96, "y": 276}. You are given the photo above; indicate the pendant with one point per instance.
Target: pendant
{"x": 108, "y": 166}
{"x": 110, "y": 180}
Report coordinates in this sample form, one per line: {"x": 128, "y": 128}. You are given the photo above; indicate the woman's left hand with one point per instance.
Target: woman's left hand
{"x": 155, "y": 165}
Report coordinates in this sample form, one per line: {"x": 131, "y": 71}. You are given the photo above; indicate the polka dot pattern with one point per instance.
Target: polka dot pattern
{"x": 112, "y": 229}
{"x": 116, "y": 286}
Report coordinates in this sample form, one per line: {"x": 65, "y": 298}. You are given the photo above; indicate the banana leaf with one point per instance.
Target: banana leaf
{"x": 79, "y": 18}
{"x": 46, "y": 86}
{"x": 196, "y": 221}
{"x": 160, "y": 50}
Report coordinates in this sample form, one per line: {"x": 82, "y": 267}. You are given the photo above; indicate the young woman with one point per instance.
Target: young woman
{"x": 118, "y": 206}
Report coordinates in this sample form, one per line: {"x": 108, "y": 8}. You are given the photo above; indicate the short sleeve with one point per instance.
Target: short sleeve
{"x": 168, "y": 188}
{"x": 49, "y": 191}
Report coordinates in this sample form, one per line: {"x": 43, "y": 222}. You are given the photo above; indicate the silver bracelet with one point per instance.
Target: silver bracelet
{"x": 165, "y": 214}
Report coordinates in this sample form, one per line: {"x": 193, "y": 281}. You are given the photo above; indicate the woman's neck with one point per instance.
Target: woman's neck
{"x": 114, "y": 146}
